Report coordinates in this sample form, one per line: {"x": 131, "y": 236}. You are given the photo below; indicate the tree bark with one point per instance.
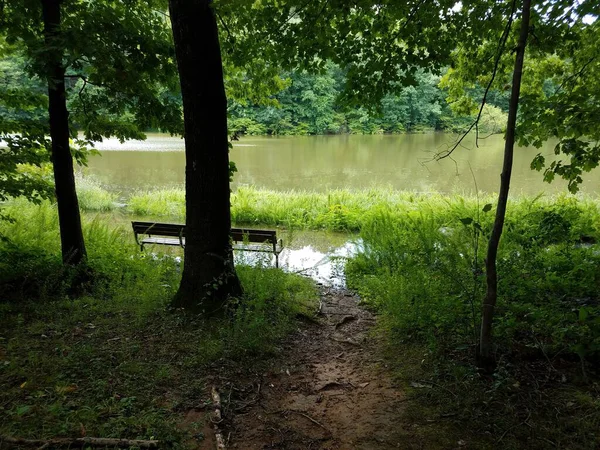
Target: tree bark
{"x": 71, "y": 235}
{"x": 209, "y": 276}
{"x": 486, "y": 359}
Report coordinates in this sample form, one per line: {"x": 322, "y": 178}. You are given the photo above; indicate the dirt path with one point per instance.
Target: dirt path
{"x": 326, "y": 390}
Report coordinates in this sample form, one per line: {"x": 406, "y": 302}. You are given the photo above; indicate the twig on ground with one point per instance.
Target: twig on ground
{"x": 316, "y": 422}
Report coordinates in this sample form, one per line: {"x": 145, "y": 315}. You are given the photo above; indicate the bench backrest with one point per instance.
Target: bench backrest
{"x": 158, "y": 229}
{"x": 260, "y": 236}
{"x": 176, "y": 230}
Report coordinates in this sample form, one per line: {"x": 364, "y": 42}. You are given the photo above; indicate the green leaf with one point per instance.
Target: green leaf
{"x": 487, "y": 207}
{"x": 466, "y": 220}
{"x": 22, "y": 410}
{"x": 583, "y": 314}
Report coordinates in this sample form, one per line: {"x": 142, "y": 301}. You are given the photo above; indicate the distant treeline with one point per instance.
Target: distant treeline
{"x": 309, "y": 105}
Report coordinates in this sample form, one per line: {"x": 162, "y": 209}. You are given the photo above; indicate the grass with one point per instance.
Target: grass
{"x": 110, "y": 359}
{"x": 340, "y": 210}
{"x": 114, "y": 354}
{"x": 93, "y": 197}
{"x": 422, "y": 270}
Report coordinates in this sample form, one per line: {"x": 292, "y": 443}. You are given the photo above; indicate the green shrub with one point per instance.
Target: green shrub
{"x": 419, "y": 268}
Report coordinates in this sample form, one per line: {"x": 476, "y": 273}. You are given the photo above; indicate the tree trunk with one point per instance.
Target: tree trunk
{"x": 71, "y": 235}
{"x": 486, "y": 359}
{"x": 209, "y": 277}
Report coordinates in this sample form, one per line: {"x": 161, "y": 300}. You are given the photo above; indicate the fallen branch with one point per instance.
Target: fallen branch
{"x": 218, "y": 418}
{"x": 346, "y": 341}
{"x": 316, "y": 422}
{"x": 79, "y": 442}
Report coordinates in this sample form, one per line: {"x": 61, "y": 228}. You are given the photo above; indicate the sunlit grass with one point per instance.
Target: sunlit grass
{"x": 335, "y": 210}
{"x": 93, "y": 197}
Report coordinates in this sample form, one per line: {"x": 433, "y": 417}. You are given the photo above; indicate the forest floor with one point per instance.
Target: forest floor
{"x": 327, "y": 389}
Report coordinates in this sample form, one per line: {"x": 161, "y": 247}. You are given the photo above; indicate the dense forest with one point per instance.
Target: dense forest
{"x": 309, "y": 104}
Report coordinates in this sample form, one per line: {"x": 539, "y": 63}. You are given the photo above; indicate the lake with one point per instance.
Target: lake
{"x": 404, "y": 162}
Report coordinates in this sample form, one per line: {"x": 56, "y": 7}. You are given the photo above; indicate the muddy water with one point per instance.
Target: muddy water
{"x": 325, "y": 162}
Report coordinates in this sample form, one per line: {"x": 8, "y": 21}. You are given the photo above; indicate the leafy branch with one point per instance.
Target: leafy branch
{"x": 475, "y": 124}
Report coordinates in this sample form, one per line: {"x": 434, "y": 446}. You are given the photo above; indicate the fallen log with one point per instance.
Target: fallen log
{"x": 218, "y": 417}
{"x": 79, "y": 442}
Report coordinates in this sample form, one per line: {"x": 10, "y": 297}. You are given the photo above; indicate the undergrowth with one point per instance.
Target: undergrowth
{"x": 422, "y": 269}
{"x": 111, "y": 359}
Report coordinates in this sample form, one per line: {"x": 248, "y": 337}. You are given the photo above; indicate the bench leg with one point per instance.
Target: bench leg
{"x": 277, "y": 260}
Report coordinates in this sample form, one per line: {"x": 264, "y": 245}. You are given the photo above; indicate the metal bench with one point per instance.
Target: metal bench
{"x": 244, "y": 239}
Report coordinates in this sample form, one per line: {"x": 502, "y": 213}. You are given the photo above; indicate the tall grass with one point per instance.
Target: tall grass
{"x": 93, "y": 197}
{"x": 159, "y": 203}
{"x": 335, "y": 210}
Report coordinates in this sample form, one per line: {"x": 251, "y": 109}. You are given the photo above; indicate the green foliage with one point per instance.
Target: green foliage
{"x": 564, "y": 111}
{"x": 560, "y": 89}
{"x": 310, "y": 105}
{"x": 120, "y": 78}
{"x": 110, "y": 356}
{"x": 423, "y": 269}
{"x": 22, "y": 103}
{"x": 381, "y": 46}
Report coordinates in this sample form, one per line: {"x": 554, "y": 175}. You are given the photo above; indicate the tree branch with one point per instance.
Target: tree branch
{"x": 475, "y": 124}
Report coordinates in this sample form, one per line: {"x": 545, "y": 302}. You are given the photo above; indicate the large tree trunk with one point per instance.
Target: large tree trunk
{"x": 486, "y": 359}
{"x": 209, "y": 277}
{"x": 71, "y": 235}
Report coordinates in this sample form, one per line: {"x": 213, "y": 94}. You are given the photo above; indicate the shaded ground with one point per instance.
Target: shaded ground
{"x": 326, "y": 390}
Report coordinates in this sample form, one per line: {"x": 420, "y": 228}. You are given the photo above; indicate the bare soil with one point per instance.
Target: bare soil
{"x": 326, "y": 390}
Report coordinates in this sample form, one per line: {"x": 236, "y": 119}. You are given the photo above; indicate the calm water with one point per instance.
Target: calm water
{"x": 326, "y": 162}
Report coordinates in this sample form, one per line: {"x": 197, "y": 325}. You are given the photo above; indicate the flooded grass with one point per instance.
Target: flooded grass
{"x": 339, "y": 210}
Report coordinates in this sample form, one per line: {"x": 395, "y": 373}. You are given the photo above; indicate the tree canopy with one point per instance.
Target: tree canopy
{"x": 120, "y": 79}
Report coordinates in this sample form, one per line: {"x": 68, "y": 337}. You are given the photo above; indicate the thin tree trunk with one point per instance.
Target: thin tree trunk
{"x": 485, "y": 358}
{"x": 209, "y": 276}
{"x": 71, "y": 235}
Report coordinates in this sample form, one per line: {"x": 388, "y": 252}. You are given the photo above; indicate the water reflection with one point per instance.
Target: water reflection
{"x": 325, "y": 267}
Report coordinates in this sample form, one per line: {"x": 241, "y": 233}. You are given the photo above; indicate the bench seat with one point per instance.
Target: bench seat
{"x": 246, "y": 240}
{"x": 161, "y": 241}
